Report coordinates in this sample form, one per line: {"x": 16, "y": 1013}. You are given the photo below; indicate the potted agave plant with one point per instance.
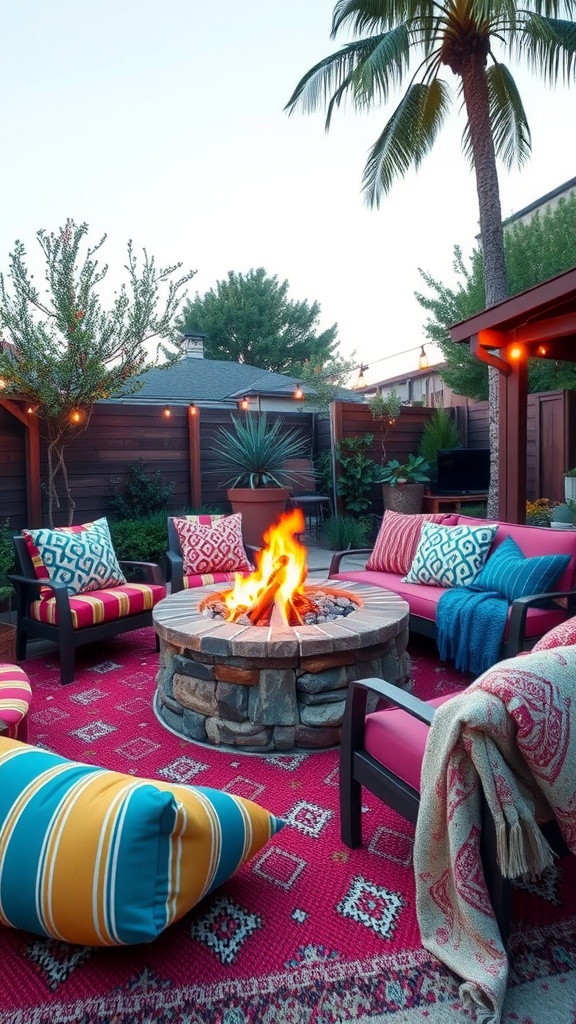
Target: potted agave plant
{"x": 254, "y": 453}
{"x": 403, "y": 484}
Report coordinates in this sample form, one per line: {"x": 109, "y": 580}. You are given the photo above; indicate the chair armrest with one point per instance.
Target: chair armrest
{"x": 339, "y": 555}
{"x": 25, "y": 593}
{"x": 519, "y": 611}
{"x": 395, "y": 695}
{"x": 251, "y": 550}
{"x": 151, "y": 571}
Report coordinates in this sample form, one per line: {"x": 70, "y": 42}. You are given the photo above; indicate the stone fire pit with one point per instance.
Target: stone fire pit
{"x": 265, "y": 688}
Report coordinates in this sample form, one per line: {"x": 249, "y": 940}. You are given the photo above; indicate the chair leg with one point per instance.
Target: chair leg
{"x": 67, "y": 663}
{"x": 350, "y": 811}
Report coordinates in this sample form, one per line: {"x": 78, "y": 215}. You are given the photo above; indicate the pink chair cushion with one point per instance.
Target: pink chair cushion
{"x": 15, "y": 697}
{"x": 397, "y": 740}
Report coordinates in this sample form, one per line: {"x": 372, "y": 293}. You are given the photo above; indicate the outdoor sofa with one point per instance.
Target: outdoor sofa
{"x": 529, "y": 617}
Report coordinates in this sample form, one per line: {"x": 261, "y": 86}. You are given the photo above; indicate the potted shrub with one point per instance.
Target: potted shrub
{"x": 7, "y": 629}
{"x": 570, "y": 484}
{"x": 563, "y": 515}
{"x": 403, "y": 483}
{"x": 254, "y": 453}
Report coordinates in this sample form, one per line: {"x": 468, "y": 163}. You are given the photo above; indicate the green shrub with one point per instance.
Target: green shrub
{"x": 6, "y": 560}
{"x": 440, "y": 432}
{"x": 142, "y": 495}
{"x": 140, "y": 540}
{"x": 358, "y": 472}
{"x": 341, "y": 532}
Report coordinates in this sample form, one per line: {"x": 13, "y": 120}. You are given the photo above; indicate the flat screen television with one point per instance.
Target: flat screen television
{"x": 463, "y": 470}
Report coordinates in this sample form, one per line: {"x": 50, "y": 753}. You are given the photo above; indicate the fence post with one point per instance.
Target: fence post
{"x": 194, "y": 456}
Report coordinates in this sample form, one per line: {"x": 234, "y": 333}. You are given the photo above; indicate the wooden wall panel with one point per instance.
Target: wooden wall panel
{"x": 12, "y": 470}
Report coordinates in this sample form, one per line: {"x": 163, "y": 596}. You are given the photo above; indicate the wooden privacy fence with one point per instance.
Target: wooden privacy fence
{"x": 180, "y": 446}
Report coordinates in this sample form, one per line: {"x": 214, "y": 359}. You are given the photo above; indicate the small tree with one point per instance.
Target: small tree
{"x": 385, "y": 410}
{"x": 62, "y": 351}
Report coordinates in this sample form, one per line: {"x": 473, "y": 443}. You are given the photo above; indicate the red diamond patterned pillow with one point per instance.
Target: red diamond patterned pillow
{"x": 398, "y": 539}
{"x": 212, "y": 548}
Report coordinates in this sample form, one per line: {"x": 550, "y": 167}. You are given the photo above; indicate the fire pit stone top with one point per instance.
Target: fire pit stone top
{"x": 179, "y": 622}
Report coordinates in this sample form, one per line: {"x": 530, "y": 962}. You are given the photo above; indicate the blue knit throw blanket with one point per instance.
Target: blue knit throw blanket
{"x": 470, "y": 626}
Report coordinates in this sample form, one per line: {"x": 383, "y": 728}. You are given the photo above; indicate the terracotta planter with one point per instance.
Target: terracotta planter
{"x": 7, "y": 643}
{"x": 259, "y": 507}
{"x": 408, "y": 498}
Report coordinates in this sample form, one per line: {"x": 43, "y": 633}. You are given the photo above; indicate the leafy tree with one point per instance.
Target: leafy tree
{"x": 248, "y": 318}
{"x": 535, "y": 250}
{"x": 61, "y": 350}
{"x": 418, "y": 40}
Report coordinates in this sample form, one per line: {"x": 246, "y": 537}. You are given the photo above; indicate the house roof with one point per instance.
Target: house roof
{"x": 214, "y": 381}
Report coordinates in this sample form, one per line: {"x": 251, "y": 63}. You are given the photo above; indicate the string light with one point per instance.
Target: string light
{"x": 167, "y": 412}
{"x": 423, "y": 363}
{"x": 298, "y": 393}
{"x": 75, "y": 416}
{"x": 192, "y": 409}
{"x": 244, "y": 403}
{"x": 516, "y": 352}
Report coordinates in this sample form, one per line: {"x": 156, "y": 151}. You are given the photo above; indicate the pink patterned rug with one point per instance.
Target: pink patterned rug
{"x": 308, "y": 932}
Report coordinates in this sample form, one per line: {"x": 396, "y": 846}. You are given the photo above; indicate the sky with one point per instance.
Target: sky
{"x": 162, "y": 121}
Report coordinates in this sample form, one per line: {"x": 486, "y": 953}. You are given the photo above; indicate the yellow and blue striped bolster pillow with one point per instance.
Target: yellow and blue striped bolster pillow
{"x": 99, "y": 858}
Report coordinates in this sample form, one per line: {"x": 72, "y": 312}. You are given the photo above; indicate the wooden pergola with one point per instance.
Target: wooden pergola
{"x": 538, "y": 323}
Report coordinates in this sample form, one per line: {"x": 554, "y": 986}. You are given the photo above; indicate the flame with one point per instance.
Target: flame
{"x": 280, "y": 573}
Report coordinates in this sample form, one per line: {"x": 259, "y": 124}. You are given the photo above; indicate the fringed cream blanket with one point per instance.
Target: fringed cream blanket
{"x": 513, "y": 733}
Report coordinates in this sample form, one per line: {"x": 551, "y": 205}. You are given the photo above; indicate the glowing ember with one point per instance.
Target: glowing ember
{"x": 274, "y": 592}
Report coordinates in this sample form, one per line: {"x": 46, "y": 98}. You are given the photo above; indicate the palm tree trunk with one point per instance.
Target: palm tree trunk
{"x": 475, "y": 91}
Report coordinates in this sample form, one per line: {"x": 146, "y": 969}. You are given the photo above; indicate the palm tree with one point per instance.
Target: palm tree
{"x": 415, "y": 40}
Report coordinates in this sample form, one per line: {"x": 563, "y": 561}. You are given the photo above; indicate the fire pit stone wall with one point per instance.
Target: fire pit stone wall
{"x": 289, "y": 689}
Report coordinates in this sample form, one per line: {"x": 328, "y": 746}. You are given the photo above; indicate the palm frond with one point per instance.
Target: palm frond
{"x": 407, "y": 138}
{"x": 554, "y": 8}
{"x": 549, "y": 44}
{"x": 508, "y": 122}
{"x": 373, "y": 15}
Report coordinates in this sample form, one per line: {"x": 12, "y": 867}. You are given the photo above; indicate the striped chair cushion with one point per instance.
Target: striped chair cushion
{"x": 103, "y": 606}
{"x": 99, "y": 858}
{"x": 197, "y": 580}
{"x": 15, "y": 697}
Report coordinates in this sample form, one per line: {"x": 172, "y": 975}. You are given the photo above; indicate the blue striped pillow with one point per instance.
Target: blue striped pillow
{"x": 513, "y": 575}
{"x": 99, "y": 858}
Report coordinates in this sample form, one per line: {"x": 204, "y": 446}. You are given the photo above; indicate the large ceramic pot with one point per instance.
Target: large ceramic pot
{"x": 259, "y": 507}
{"x": 407, "y": 498}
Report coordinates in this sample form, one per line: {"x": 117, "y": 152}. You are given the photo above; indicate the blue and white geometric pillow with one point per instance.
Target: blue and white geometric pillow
{"x": 450, "y": 556}
{"x": 82, "y": 561}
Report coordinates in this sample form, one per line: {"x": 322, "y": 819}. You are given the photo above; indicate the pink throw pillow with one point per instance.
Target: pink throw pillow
{"x": 217, "y": 547}
{"x": 563, "y": 635}
{"x": 398, "y": 539}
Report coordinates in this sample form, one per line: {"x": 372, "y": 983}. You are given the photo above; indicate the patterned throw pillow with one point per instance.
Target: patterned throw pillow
{"x": 214, "y": 548}
{"x": 84, "y": 561}
{"x": 398, "y": 539}
{"x": 100, "y": 858}
{"x": 450, "y": 556}
{"x": 513, "y": 575}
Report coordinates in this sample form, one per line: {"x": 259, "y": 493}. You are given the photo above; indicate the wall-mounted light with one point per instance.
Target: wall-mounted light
{"x": 423, "y": 363}
{"x": 32, "y": 409}
{"x": 361, "y": 382}
{"x": 541, "y": 350}
{"x": 298, "y": 393}
{"x": 516, "y": 352}
{"x": 167, "y": 412}
{"x": 192, "y": 409}
{"x": 244, "y": 403}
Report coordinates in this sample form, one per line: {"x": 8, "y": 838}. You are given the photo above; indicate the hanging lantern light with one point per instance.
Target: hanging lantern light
{"x": 298, "y": 393}
{"x": 423, "y": 363}
{"x": 361, "y": 382}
